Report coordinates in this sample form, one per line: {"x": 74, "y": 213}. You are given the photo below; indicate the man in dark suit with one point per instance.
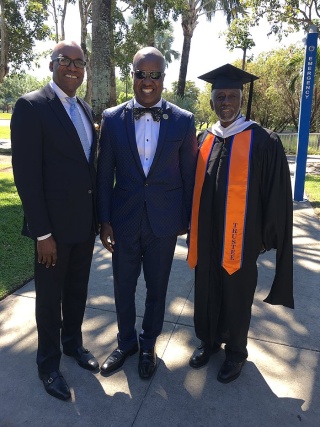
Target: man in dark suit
{"x": 149, "y": 146}
{"x": 53, "y": 165}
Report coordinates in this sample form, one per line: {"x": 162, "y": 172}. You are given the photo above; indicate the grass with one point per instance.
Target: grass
{"x": 4, "y": 132}
{"x": 5, "y": 116}
{"x": 312, "y": 189}
{"x": 16, "y": 251}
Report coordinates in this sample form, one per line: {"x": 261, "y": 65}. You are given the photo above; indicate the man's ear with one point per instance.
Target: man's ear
{"x": 51, "y": 66}
{"x": 211, "y": 105}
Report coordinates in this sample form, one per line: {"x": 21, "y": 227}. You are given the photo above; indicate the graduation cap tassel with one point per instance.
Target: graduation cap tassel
{"x": 249, "y": 101}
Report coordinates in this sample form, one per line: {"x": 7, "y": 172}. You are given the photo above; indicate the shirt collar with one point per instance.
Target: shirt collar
{"x": 136, "y": 104}
{"x": 61, "y": 95}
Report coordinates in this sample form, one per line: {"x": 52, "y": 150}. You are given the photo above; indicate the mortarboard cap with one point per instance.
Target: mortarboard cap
{"x": 230, "y": 77}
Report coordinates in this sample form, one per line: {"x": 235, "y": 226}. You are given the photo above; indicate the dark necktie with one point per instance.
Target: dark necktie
{"x": 156, "y": 113}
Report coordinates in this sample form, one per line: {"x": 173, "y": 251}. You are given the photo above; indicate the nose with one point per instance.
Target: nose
{"x": 71, "y": 65}
{"x": 147, "y": 78}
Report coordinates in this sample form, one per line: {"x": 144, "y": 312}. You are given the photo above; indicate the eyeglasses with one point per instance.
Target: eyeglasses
{"x": 65, "y": 62}
{"x": 154, "y": 75}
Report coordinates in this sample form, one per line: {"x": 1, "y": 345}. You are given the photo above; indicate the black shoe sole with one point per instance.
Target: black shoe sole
{"x": 58, "y": 397}
{"x": 229, "y": 380}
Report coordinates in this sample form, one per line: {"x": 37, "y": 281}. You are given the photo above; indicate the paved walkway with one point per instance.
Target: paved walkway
{"x": 279, "y": 385}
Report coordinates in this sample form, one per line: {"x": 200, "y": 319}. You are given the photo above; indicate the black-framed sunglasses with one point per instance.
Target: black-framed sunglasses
{"x": 154, "y": 75}
{"x": 65, "y": 62}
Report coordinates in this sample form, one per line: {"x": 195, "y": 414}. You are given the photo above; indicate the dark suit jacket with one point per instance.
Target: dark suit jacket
{"x": 166, "y": 191}
{"x": 55, "y": 182}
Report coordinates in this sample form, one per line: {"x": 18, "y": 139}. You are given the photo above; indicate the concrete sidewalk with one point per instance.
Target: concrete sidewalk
{"x": 279, "y": 385}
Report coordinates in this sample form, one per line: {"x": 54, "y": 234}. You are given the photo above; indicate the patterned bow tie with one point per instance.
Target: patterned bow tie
{"x": 156, "y": 113}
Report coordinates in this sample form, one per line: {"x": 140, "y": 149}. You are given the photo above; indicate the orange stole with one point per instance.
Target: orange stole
{"x": 203, "y": 157}
{"x": 236, "y": 200}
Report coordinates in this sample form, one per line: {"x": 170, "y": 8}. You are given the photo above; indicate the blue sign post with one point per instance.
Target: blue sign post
{"x": 305, "y": 113}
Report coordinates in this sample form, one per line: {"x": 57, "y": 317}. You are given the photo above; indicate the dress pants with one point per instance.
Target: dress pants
{"x": 155, "y": 255}
{"x": 61, "y": 294}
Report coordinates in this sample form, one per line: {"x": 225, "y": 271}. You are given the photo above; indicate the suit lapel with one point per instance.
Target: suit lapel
{"x": 164, "y": 123}
{"x": 59, "y": 110}
{"x": 131, "y": 134}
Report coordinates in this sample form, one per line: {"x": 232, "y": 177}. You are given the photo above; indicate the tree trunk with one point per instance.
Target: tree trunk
{"x": 189, "y": 23}
{"x": 83, "y": 10}
{"x": 244, "y": 58}
{"x": 55, "y": 19}
{"x": 151, "y": 24}
{"x": 184, "y": 66}
{"x": 88, "y": 95}
{"x": 113, "y": 89}
{"x": 63, "y": 18}
{"x": 4, "y": 44}
{"x": 102, "y": 39}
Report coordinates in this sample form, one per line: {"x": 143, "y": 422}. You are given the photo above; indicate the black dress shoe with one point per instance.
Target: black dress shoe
{"x": 84, "y": 358}
{"x": 116, "y": 359}
{"x": 202, "y": 354}
{"x": 147, "y": 363}
{"x": 229, "y": 371}
{"x": 55, "y": 384}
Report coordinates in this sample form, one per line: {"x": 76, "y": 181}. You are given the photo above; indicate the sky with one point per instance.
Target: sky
{"x": 208, "y": 48}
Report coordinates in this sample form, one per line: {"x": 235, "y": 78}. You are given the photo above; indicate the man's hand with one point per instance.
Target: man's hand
{"x": 106, "y": 236}
{"x": 47, "y": 252}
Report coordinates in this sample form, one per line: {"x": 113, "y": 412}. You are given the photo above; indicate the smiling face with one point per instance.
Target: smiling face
{"x": 68, "y": 78}
{"x": 226, "y": 103}
{"x": 148, "y": 91}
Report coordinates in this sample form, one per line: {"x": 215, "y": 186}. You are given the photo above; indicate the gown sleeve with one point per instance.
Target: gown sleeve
{"x": 278, "y": 219}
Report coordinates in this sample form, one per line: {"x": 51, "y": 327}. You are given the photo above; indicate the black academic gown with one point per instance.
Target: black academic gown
{"x": 222, "y": 310}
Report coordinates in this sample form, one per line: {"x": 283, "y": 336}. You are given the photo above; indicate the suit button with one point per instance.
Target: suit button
{"x": 89, "y": 191}
{"x": 146, "y": 184}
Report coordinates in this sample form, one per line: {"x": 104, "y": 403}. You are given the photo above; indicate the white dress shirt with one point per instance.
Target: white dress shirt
{"x": 147, "y": 134}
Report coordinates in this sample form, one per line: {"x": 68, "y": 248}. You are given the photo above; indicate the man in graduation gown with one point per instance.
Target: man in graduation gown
{"x": 242, "y": 206}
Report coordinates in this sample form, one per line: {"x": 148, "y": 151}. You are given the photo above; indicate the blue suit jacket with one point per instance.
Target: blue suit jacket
{"x": 123, "y": 188}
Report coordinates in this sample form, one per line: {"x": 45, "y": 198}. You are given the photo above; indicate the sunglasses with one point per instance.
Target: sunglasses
{"x": 154, "y": 75}
{"x": 65, "y": 62}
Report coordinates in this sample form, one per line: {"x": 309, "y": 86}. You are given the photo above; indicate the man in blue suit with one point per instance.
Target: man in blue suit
{"x": 145, "y": 181}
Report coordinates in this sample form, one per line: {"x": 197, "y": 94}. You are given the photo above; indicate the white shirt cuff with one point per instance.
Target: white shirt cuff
{"x": 44, "y": 237}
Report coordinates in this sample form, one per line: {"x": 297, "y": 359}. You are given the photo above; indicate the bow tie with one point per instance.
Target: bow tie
{"x": 156, "y": 113}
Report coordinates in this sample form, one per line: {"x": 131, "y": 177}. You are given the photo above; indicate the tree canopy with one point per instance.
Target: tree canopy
{"x": 23, "y": 22}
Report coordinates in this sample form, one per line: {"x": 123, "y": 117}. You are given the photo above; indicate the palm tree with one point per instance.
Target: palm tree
{"x": 194, "y": 9}
{"x": 163, "y": 41}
